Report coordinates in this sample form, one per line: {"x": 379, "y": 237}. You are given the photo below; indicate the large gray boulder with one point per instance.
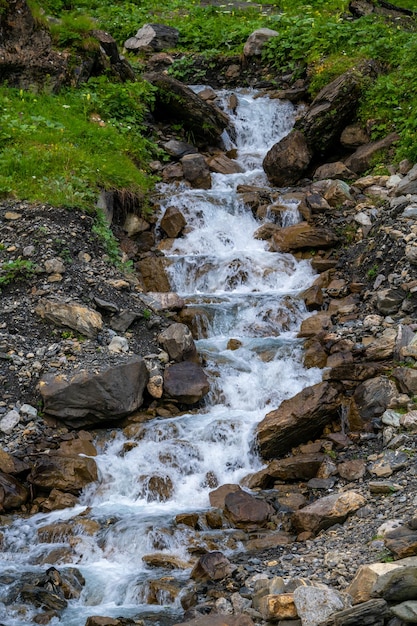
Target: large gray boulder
{"x": 87, "y": 398}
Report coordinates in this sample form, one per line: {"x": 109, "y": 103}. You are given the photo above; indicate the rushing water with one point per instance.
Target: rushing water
{"x": 240, "y": 291}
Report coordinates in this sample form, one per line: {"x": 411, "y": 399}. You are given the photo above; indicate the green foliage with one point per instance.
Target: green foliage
{"x": 13, "y": 270}
{"x": 51, "y": 149}
{"x": 104, "y": 233}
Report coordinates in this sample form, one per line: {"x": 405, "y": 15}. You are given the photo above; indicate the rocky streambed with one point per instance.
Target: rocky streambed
{"x": 337, "y": 489}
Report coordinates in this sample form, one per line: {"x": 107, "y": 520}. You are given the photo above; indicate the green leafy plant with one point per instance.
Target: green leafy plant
{"x": 18, "y": 269}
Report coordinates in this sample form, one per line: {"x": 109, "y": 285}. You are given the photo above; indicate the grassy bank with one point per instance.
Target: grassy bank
{"x": 63, "y": 148}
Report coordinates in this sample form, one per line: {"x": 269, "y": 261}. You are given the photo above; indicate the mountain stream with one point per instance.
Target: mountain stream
{"x": 241, "y": 292}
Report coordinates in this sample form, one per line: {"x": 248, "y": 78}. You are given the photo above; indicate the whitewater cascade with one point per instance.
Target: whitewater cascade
{"x": 240, "y": 291}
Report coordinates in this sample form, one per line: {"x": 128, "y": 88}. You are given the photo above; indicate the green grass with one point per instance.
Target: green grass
{"x": 52, "y": 151}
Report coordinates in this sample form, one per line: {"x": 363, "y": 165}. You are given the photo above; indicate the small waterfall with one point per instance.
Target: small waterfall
{"x": 242, "y": 292}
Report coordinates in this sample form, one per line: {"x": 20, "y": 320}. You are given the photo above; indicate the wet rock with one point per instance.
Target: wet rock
{"x": 256, "y": 40}
{"x": 245, "y": 511}
{"x": 219, "y": 620}
{"x": 185, "y": 382}
{"x": 173, "y": 222}
{"x": 154, "y": 274}
{"x": 68, "y": 474}
{"x": 298, "y": 419}
{"x": 12, "y": 493}
{"x": 153, "y": 37}
{"x": 327, "y": 511}
{"x": 177, "y": 340}
{"x": 167, "y": 561}
{"x": 295, "y": 467}
{"x": 87, "y": 398}
{"x": 287, "y": 161}
{"x": 303, "y": 236}
{"x": 196, "y": 171}
{"x": 58, "y": 500}
{"x": 176, "y": 101}
{"x": 223, "y": 165}
{"x": 80, "y": 318}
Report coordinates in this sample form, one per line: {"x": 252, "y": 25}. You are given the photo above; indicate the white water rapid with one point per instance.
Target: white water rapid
{"x": 240, "y": 291}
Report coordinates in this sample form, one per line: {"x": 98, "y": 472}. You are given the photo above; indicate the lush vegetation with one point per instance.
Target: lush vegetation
{"x": 63, "y": 148}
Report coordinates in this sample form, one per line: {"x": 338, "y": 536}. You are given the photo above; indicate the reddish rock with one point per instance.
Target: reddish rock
{"x": 245, "y": 511}
{"x": 185, "y": 382}
{"x": 218, "y": 496}
{"x": 173, "y": 222}
{"x": 212, "y": 566}
{"x": 70, "y": 474}
{"x": 298, "y": 419}
{"x": 303, "y": 236}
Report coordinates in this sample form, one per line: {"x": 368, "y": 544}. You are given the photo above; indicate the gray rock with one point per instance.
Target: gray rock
{"x": 9, "y": 421}
{"x": 315, "y": 605}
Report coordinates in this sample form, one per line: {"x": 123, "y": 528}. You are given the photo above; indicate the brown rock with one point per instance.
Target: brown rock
{"x": 173, "y": 222}
{"x": 334, "y": 170}
{"x": 268, "y": 540}
{"x": 196, "y": 171}
{"x": 402, "y": 542}
{"x": 218, "y": 496}
{"x": 313, "y": 298}
{"x": 352, "y": 470}
{"x": 185, "y": 382}
{"x": 12, "y": 493}
{"x": 327, "y": 511}
{"x": 178, "y": 341}
{"x": 354, "y": 136}
{"x": 223, "y": 165}
{"x": 360, "y": 161}
{"x": 303, "y": 236}
{"x": 298, "y": 419}
{"x": 153, "y": 274}
{"x": 278, "y": 607}
{"x": 296, "y": 467}
{"x": 212, "y": 566}
{"x": 287, "y": 161}
{"x": 395, "y": 582}
{"x": 88, "y": 398}
{"x": 98, "y": 620}
{"x": 167, "y": 561}
{"x": 70, "y": 474}
{"x": 219, "y": 620}
{"x": 245, "y": 511}
{"x": 74, "y": 315}
{"x": 370, "y": 400}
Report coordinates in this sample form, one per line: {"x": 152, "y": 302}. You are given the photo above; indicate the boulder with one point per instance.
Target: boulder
{"x": 327, "y": 511}
{"x": 245, "y": 511}
{"x": 314, "y": 605}
{"x": 212, "y": 566}
{"x": 153, "y": 38}
{"x": 361, "y": 159}
{"x": 256, "y": 41}
{"x": 12, "y": 493}
{"x": 402, "y": 542}
{"x": 87, "y": 397}
{"x": 333, "y": 108}
{"x": 223, "y": 165}
{"x": 278, "y": 607}
{"x": 196, "y": 171}
{"x": 185, "y": 382}
{"x": 175, "y": 101}
{"x": 218, "y": 496}
{"x": 370, "y": 400}
{"x": 333, "y": 170}
{"x": 395, "y": 582}
{"x": 295, "y": 467}
{"x": 303, "y": 236}
{"x": 298, "y": 419}
{"x": 173, "y": 222}
{"x": 354, "y": 136}
{"x": 68, "y": 474}
{"x": 178, "y": 341}
{"x": 287, "y": 161}
{"x": 371, "y": 612}
{"x": 154, "y": 276}
{"x": 74, "y": 315}
{"x": 237, "y": 619}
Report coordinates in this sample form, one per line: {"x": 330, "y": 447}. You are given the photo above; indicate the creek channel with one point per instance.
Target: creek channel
{"x": 248, "y": 312}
